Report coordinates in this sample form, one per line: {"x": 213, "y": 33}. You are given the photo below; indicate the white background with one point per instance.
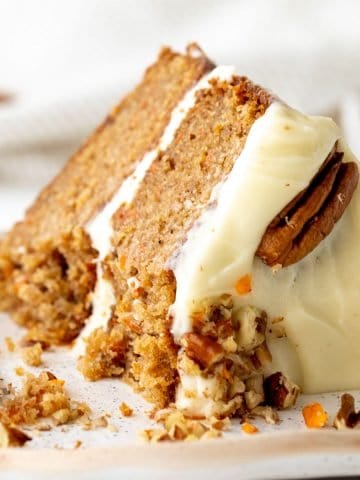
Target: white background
{"x": 68, "y": 62}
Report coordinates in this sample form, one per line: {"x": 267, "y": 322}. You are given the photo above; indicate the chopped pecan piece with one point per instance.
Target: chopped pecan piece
{"x": 267, "y": 413}
{"x": 311, "y": 215}
{"x": 251, "y": 328}
{"x": 202, "y": 349}
{"x": 253, "y": 399}
{"x": 347, "y": 416}
{"x": 280, "y": 392}
{"x": 11, "y": 436}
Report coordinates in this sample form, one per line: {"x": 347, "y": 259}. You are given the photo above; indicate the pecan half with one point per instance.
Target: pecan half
{"x": 347, "y": 416}
{"x": 202, "y": 349}
{"x": 311, "y": 215}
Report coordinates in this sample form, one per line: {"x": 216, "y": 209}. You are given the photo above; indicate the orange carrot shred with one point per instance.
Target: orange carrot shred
{"x": 314, "y": 415}
{"x": 243, "y": 285}
{"x": 249, "y": 428}
{"x": 122, "y": 261}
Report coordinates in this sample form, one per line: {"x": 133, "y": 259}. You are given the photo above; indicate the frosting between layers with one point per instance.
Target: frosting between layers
{"x": 318, "y": 296}
{"x": 100, "y": 228}
{"x": 100, "y": 231}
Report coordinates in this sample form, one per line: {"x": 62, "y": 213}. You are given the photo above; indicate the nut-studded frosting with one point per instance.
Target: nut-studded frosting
{"x": 295, "y": 175}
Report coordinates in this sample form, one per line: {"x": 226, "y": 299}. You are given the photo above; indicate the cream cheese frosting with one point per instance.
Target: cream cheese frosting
{"x": 318, "y": 297}
{"x": 100, "y": 227}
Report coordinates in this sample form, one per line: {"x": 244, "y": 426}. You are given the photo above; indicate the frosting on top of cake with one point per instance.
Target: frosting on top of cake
{"x": 318, "y": 296}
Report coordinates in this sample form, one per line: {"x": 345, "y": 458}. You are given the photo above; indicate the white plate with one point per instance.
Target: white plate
{"x": 287, "y": 450}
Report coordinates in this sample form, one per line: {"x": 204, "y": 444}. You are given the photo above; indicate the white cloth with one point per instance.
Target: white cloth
{"x": 68, "y": 62}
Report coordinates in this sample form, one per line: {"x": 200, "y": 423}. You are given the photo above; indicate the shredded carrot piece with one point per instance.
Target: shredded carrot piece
{"x": 314, "y": 415}
{"x": 122, "y": 262}
{"x": 249, "y": 428}
{"x": 243, "y": 285}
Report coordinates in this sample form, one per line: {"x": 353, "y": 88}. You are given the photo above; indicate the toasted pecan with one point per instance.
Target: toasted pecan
{"x": 202, "y": 349}
{"x": 321, "y": 225}
{"x": 347, "y": 416}
{"x": 280, "y": 392}
{"x": 311, "y": 215}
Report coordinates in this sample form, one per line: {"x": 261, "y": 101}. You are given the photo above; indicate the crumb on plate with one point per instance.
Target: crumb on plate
{"x": 32, "y": 356}
{"x": 126, "y": 410}
{"x": 10, "y": 345}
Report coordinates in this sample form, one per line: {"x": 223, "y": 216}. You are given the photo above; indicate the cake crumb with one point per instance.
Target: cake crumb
{"x": 10, "y": 345}
{"x": 42, "y": 396}
{"x": 100, "y": 422}
{"x": 43, "y": 427}
{"x": 269, "y": 414}
{"x": 19, "y": 371}
{"x": 314, "y": 415}
{"x": 32, "y": 356}
{"x": 78, "y": 444}
{"x": 126, "y": 410}
{"x": 112, "y": 428}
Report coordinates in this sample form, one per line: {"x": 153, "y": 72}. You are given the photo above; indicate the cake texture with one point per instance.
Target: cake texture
{"x": 203, "y": 242}
{"x": 47, "y": 260}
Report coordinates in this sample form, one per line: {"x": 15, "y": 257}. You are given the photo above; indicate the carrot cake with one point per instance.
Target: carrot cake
{"x": 202, "y": 245}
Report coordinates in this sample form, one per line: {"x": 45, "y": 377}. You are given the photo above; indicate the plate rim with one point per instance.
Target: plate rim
{"x": 184, "y": 455}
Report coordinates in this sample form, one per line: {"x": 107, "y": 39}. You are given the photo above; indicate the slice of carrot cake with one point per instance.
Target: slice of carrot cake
{"x": 206, "y": 236}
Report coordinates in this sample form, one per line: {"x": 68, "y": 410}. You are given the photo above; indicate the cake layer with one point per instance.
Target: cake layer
{"x": 46, "y": 262}
{"x": 173, "y": 193}
{"x": 100, "y": 228}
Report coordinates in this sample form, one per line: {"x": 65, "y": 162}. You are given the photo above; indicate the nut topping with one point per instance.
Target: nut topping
{"x": 280, "y": 392}
{"x": 10, "y": 436}
{"x": 267, "y": 413}
{"x": 347, "y": 416}
{"x": 311, "y": 215}
{"x": 202, "y": 349}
